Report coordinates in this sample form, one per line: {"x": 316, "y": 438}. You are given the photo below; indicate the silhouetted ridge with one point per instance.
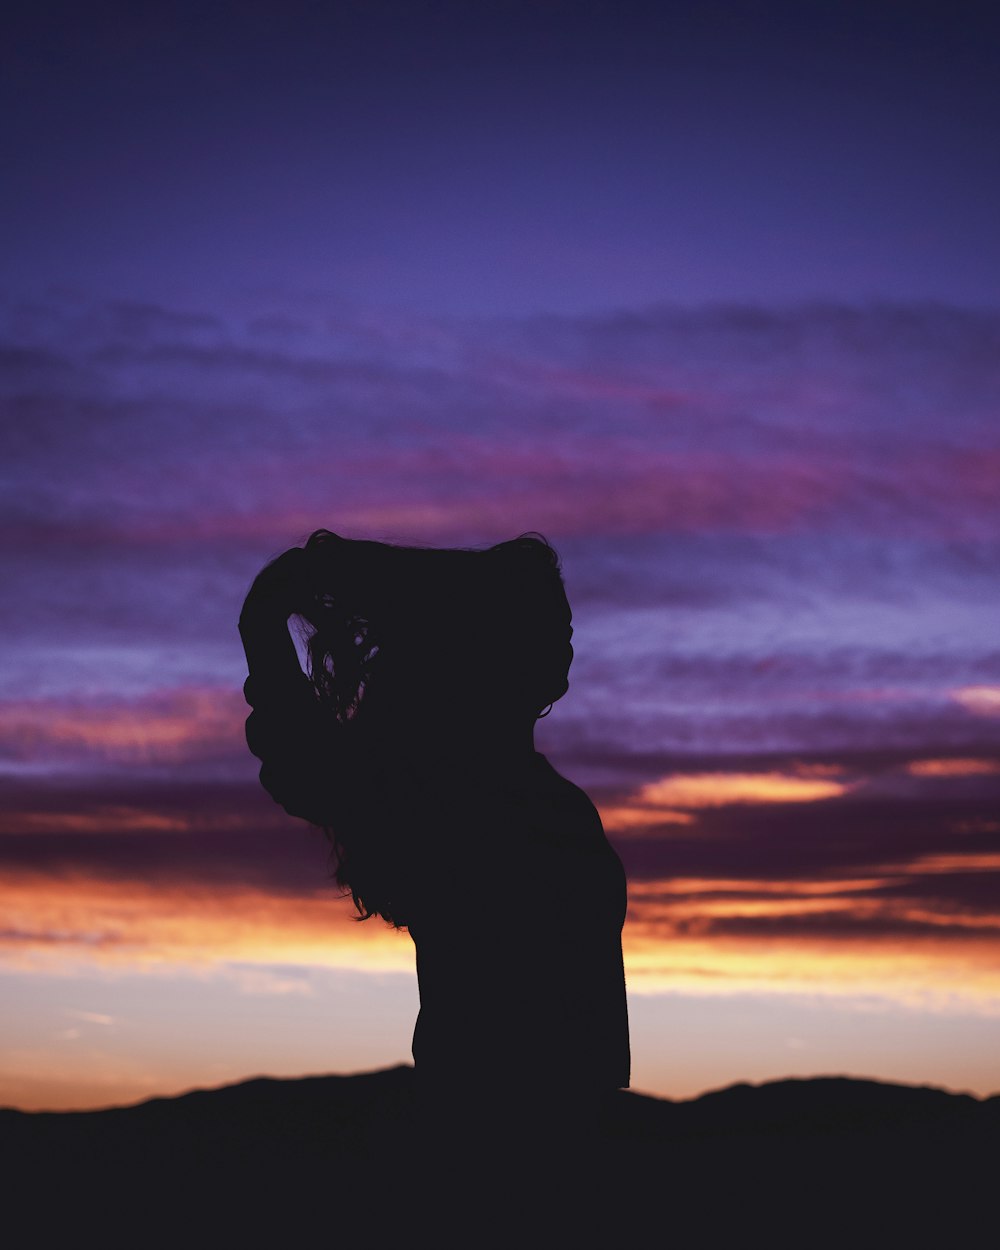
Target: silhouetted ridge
{"x": 280, "y": 1154}
{"x": 830, "y": 1104}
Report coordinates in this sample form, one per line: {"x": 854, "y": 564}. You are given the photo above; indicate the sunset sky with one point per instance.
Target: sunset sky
{"x": 707, "y": 293}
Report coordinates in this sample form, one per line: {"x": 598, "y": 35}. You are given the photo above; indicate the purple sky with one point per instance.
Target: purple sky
{"x": 504, "y": 157}
{"x": 706, "y": 294}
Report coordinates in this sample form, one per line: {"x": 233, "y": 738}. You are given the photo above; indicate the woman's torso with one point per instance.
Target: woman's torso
{"x": 518, "y": 938}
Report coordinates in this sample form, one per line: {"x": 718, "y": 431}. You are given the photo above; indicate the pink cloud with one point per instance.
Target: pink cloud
{"x": 167, "y": 727}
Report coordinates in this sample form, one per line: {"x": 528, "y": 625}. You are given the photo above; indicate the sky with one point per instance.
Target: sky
{"x": 707, "y": 294}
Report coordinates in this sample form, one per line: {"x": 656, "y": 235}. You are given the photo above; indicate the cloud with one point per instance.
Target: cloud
{"x": 91, "y": 1017}
{"x": 779, "y": 531}
{"x": 959, "y": 862}
{"x": 953, "y": 768}
{"x": 706, "y": 420}
{"x": 56, "y": 924}
{"x": 102, "y": 820}
{"x": 695, "y": 790}
{"x": 166, "y": 728}
{"x": 916, "y": 969}
{"x": 171, "y": 832}
{"x": 795, "y": 506}
{"x": 980, "y": 700}
{"x": 858, "y": 849}
{"x": 264, "y": 981}
{"x": 627, "y": 818}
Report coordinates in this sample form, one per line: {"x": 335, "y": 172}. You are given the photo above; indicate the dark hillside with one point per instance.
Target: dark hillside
{"x": 335, "y": 1159}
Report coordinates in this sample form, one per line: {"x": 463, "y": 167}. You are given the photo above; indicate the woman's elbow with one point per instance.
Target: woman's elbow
{"x": 298, "y": 800}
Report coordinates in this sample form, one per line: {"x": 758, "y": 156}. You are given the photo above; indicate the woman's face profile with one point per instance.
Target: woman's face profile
{"x": 562, "y": 652}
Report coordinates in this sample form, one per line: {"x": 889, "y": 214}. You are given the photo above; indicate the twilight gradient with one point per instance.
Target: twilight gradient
{"x": 704, "y": 294}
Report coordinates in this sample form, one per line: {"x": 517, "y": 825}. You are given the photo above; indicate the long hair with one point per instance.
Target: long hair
{"x": 406, "y": 641}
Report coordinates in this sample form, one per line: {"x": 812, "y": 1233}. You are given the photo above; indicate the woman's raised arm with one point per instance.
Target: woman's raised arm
{"x": 288, "y": 730}
{"x": 278, "y": 591}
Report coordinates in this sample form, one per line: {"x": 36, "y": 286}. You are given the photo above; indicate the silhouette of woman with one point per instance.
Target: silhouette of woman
{"x": 411, "y": 743}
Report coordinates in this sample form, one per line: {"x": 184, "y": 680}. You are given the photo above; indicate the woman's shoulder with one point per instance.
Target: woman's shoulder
{"x": 565, "y": 812}
{"x": 551, "y": 781}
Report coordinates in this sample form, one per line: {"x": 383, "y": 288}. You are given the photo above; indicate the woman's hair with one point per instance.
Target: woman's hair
{"x": 407, "y": 641}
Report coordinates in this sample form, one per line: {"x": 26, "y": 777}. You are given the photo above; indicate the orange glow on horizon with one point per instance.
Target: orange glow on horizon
{"x": 53, "y": 924}
{"x": 58, "y": 924}
{"x": 930, "y": 972}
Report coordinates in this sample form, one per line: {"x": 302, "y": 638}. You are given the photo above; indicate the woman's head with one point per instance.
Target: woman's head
{"x": 424, "y": 632}
{"x": 438, "y": 660}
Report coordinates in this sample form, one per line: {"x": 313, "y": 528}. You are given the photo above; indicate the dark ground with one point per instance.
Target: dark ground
{"x": 345, "y": 1161}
